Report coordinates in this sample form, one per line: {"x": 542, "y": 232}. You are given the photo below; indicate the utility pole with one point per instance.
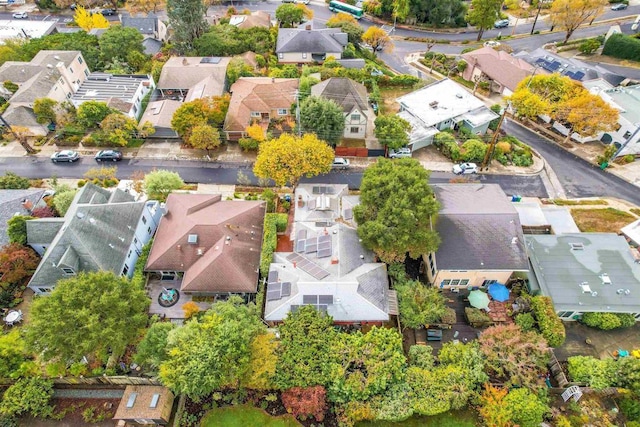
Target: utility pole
{"x": 537, "y": 14}
{"x": 492, "y": 145}
{"x": 298, "y": 112}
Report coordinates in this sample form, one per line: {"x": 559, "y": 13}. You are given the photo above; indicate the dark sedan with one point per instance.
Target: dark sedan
{"x": 108, "y": 156}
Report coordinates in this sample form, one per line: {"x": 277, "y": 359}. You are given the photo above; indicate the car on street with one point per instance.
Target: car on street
{"x": 73, "y": 6}
{"x": 108, "y": 156}
{"x": 20, "y": 15}
{"x": 302, "y": 1}
{"x": 107, "y": 12}
{"x": 399, "y": 153}
{"x": 465, "y": 168}
{"x": 502, "y": 23}
{"x": 619, "y": 6}
{"x": 491, "y": 43}
{"x": 65, "y": 156}
{"x": 340, "y": 163}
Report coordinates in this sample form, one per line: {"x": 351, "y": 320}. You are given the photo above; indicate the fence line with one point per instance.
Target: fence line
{"x": 104, "y": 380}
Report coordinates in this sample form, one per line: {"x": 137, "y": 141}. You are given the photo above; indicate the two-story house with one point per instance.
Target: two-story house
{"x": 353, "y": 99}
{"x": 307, "y": 45}
{"x": 258, "y": 100}
{"x": 103, "y": 230}
{"x": 54, "y": 74}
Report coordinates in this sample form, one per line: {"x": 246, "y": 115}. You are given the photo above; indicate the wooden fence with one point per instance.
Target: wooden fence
{"x": 122, "y": 380}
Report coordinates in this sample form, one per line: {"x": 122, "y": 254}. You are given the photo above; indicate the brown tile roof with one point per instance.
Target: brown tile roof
{"x": 498, "y": 65}
{"x": 225, "y": 257}
{"x": 263, "y": 94}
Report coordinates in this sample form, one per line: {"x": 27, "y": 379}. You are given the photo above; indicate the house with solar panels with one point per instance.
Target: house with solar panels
{"x": 327, "y": 266}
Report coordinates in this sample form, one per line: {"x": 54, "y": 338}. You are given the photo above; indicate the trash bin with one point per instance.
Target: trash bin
{"x": 604, "y": 165}
{"x": 516, "y": 198}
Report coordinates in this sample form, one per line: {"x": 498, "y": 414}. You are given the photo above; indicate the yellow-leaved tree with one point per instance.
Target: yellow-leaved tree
{"x": 144, "y": 6}
{"x": 341, "y": 18}
{"x": 378, "y": 39}
{"x": 289, "y": 158}
{"x": 262, "y": 369}
{"x": 570, "y": 14}
{"x": 88, "y": 21}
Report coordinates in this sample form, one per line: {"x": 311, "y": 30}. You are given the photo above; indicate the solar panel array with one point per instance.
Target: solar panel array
{"x": 553, "y": 66}
{"x": 308, "y": 266}
{"x": 276, "y": 291}
{"x": 324, "y": 246}
{"x": 322, "y": 190}
{"x": 348, "y": 214}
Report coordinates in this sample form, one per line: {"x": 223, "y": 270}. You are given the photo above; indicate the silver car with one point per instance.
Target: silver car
{"x": 340, "y": 163}
{"x": 399, "y": 153}
{"x": 65, "y": 156}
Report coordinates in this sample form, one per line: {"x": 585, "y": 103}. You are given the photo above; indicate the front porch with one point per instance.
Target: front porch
{"x": 154, "y": 289}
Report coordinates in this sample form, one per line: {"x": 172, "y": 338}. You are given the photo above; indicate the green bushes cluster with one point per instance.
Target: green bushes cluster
{"x": 525, "y": 321}
{"x": 446, "y": 143}
{"x": 608, "y": 321}
{"x": 622, "y": 46}
{"x": 401, "y": 80}
{"x": 598, "y": 374}
{"x": 272, "y": 224}
{"x": 551, "y": 327}
{"x": 511, "y": 150}
{"x": 11, "y": 181}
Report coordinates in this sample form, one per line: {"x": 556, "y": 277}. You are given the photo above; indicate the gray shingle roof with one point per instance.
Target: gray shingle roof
{"x": 11, "y": 204}
{"x": 344, "y": 91}
{"x": 43, "y": 231}
{"x": 560, "y": 270}
{"x": 145, "y": 24}
{"x": 480, "y": 229}
{"x": 97, "y": 229}
{"x": 151, "y": 46}
{"x": 310, "y": 41}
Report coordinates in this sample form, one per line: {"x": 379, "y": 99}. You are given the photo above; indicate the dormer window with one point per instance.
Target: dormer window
{"x": 69, "y": 271}
{"x": 256, "y": 114}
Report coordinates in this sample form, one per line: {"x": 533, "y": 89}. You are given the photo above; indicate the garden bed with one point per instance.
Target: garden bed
{"x": 607, "y": 220}
{"x": 73, "y": 413}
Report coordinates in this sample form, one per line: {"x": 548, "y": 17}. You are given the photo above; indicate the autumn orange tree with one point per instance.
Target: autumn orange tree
{"x": 378, "y": 39}
{"x": 88, "y": 21}
{"x": 204, "y": 137}
{"x": 570, "y": 14}
{"x": 289, "y": 158}
{"x": 203, "y": 111}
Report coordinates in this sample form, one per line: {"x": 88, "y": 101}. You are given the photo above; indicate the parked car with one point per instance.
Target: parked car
{"x": 301, "y": 1}
{"x": 400, "y": 152}
{"x": 465, "y": 168}
{"x": 288, "y": 1}
{"x": 20, "y": 15}
{"x": 108, "y": 156}
{"x": 73, "y": 6}
{"x": 619, "y": 6}
{"x": 491, "y": 43}
{"x": 65, "y": 156}
{"x": 107, "y": 12}
{"x": 340, "y": 163}
{"x": 502, "y": 23}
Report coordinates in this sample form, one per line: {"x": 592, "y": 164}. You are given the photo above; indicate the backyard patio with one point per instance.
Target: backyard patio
{"x": 156, "y": 287}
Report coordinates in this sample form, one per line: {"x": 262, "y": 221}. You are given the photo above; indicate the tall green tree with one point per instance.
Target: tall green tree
{"x": 401, "y": 9}
{"x": 152, "y": 350}
{"x": 17, "y": 229}
{"x": 323, "y": 117}
{"x": 201, "y": 111}
{"x": 118, "y": 42}
{"x": 63, "y": 198}
{"x": 92, "y": 113}
{"x": 85, "y": 43}
{"x": 212, "y": 352}
{"x": 28, "y": 396}
{"x": 186, "y": 18}
{"x": 570, "y": 14}
{"x": 13, "y": 354}
{"x": 117, "y": 129}
{"x": 159, "y": 183}
{"x": 45, "y": 110}
{"x": 290, "y": 14}
{"x": 397, "y": 210}
{"x": 392, "y": 131}
{"x": 483, "y": 14}
{"x": 92, "y": 314}
{"x": 419, "y": 305}
{"x": 304, "y": 354}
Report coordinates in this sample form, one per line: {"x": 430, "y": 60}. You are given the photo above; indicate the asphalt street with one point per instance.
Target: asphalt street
{"x": 226, "y": 173}
{"x": 578, "y": 177}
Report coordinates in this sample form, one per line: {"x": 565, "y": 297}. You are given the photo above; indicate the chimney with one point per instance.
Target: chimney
{"x": 185, "y": 62}
{"x": 27, "y": 204}
{"x": 334, "y": 260}
{"x": 308, "y": 27}
{"x": 273, "y": 79}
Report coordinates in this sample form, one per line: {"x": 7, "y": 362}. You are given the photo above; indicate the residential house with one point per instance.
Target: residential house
{"x": 482, "y": 239}
{"x": 123, "y": 92}
{"x": 585, "y": 272}
{"x": 103, "y": 230}
{"x": 328, "y": 266}
{"x": 150, "y": 26}
{"x": 257, "y": 18}
{"x": 632, "y": 232}
{"x": 159, "y": 114}
{"x": 12, "y": 29}
{"x": 145, "y": 405}
{"x": 307, "y": 45}
{"x": 442, "y": 105}
{"x": 211, "y": 246}
{"x": 17, "y": 202}
{"x": 502, "y": 71}
{"x": 186, "y": 78}
{"x": 259, "y": 100}
{"x": 537, "y": 218}
{"x": 353, "y": 99}
{"x": 55, "y": 74}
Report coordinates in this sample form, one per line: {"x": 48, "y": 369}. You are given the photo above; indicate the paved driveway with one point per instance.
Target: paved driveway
{"x": 603, "y": 343}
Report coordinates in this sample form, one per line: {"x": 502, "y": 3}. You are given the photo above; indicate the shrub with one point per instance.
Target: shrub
{"x": 11, "y": 181}
{"x": 421, "y": 356}
{"x": 607, "y": 321}
{"x": 248, "y": 144}
{"x": 446, "y": 143}
{"x": 525, "y": 321}
{"x": 598, "y": 374}
{"x": 303, "y": 402}
{"x": 269, "y": 242}
{"x": 622, "y": 46}
{"x": 281, "y": 222}
{"x": 630, "y": 408}
{"x": 28, "y": 395}
{"x": 589, "y": 46}
{"x": 551, "y": 327}
{"x": 476, "y": 316}
{"x": 473, "y": 150}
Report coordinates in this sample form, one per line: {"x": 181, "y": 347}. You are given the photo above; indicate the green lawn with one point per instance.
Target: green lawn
{"x": 450, "y": 419}
{"x": 245, "y": 416}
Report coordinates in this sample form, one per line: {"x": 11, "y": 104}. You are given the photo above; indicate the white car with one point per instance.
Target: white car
{"x": 20, "y": 15}
{"x": 491, "y": 43}
{"x": 399, "y": 153}
{"x": 465, "y": 168}
{"x": 340, "y": 163}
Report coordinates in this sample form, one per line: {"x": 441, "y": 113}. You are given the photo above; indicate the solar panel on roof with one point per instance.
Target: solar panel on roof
{"x": 273, "y": 277}
{"x": 300, "y": 245}
{"x": 286, "y": 289}
{"x": 578, "y": 75}
{"x": 555, "y": 65}
{"x": 324, "y": 253}
{"x": 325, "y": 299}
{"x": 309, "y": 299}
{"x": 307, "y": 266}
{"x": 210, "y": 60}
{"x": 324, "y": 238}
{"x": 301, "y": 234}
{"x": 322, "y": 308}
{"x": 273, "y": 295}
{"x": 315, "y": 190}
{"x": 348, "y": 214}
{"x": 274, "y": 287}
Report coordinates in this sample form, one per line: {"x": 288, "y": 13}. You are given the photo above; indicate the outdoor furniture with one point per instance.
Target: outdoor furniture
{"x": 478, "y": 299}
{"x": 13, "y": 317}
{"x": 434, "y": 335}
{"x": 498, "y": 292}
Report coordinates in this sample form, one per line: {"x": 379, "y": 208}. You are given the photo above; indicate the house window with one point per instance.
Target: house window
{"x": 130, "y": 252}
{"x": 565, "y": 314}
{"x": 144, "y": 219}
{"x": 256, "y": 114}
{"x": 86, "y": 73}
{"x": 67, "y": 270}
{"x": 149, "y": 230}
{"x": 355, "y": 117}
{"x": 464, "y": 282}
{"x": 80, "y": 59}
{"x": 454, "y": 282}
{"x": 69, "y": 96}
{"x": 488, "y": 282}
{"x": 627, "y": 135}
{"x": 280, "y": 56}
{"x": 45, "y": 290}
{"x": 71, "y": 70}
{"x": 355, "y": 129}
{"x": 304, "y": 56}
{"x": 446, "y": 282}
{"x": 125, "y": 270}
{"x": 283, "y": 111}
{"x": 135, "y": 240}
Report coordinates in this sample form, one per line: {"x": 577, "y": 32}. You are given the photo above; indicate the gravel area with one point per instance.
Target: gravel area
{"x": 76, "y": 393}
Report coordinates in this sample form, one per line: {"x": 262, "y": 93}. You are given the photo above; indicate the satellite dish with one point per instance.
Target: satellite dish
{"x": 594, "y": 294}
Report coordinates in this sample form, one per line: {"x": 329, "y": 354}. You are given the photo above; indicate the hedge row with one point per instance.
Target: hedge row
{"x": 550, "y": 325}
{"x": 622, "y": 46}
{"x": 273, "y": 223}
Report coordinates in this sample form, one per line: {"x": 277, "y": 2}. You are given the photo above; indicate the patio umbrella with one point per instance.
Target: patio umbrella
{"x": 498, "y": 292}
{"x": 478, "y": 299}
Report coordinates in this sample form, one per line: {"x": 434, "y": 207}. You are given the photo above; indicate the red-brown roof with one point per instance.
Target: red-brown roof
{"x": 226, "y": 255}
{"x": 499, "y": 66}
